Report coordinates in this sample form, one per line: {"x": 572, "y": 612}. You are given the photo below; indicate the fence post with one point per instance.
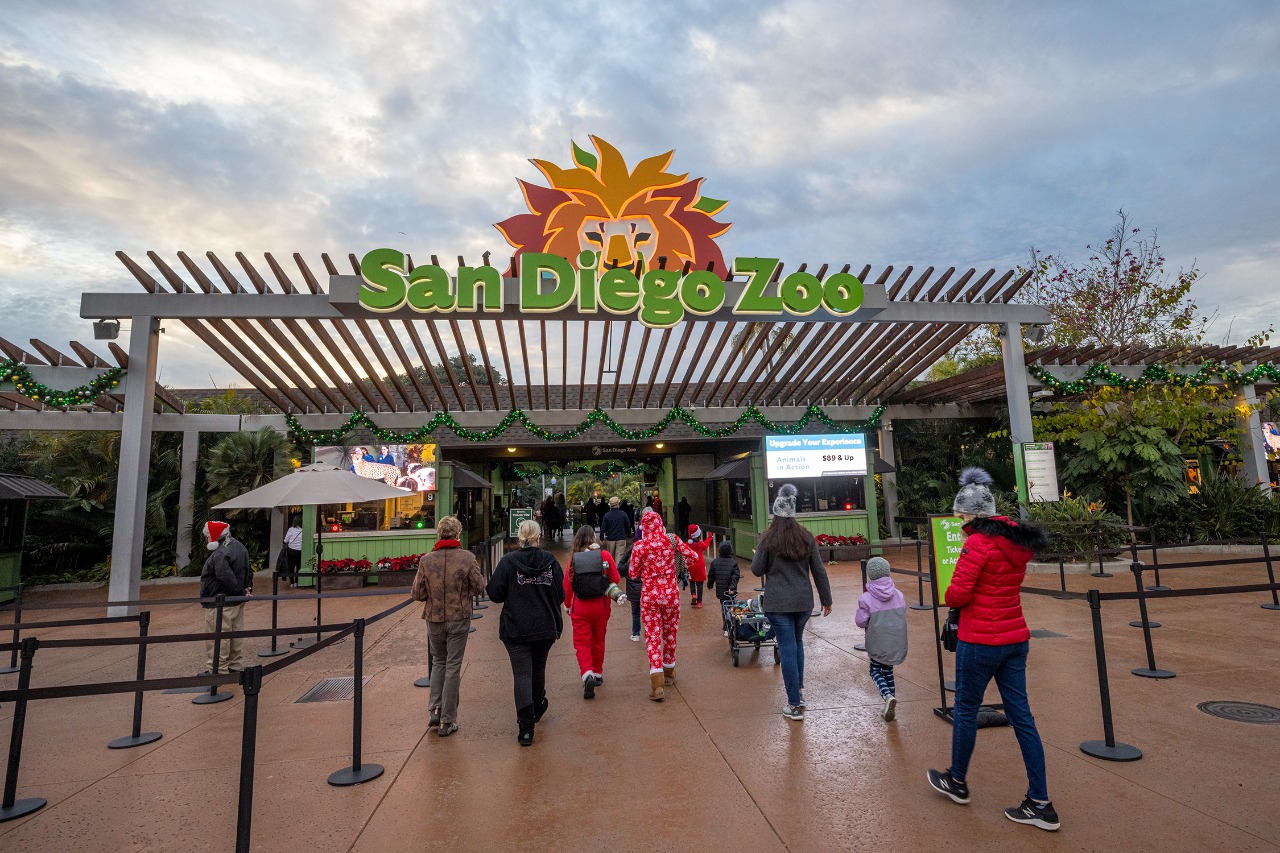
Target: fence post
{"x": 1107, "y": 748}
{"x": 1097, "y": 550}
{"x": 275, "y": 602}
{"x": 251, "y": 681}
{"x": 17, "y": 632}
{"x": 1274, "y": 604}
{"x": 862, "y": 647}
{"x": 136, "y": 736}
{"x": 215, "y": 695}
{"x": 919, "y": 605}
{"x": 1149, "y": 671}
{"x": 10, "y": 807}
{"x": 357, "y": 773}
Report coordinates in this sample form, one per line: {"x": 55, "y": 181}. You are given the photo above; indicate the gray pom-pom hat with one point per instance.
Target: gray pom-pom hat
{"x": 784, "y": 505}
{"x": 974, "y": 497}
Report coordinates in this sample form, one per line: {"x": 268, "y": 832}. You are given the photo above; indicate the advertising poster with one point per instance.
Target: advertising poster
{"x": 795, "y": 456}
{"x": 517, "y": 515}
{"x": 1042, "y": 471}
{"x": 948, "y": 538}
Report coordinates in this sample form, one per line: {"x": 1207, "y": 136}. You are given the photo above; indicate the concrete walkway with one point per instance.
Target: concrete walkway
{"x": 714, "y": 767}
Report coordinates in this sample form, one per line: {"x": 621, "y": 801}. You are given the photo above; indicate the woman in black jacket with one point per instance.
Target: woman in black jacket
{"x": 529, "y": 584}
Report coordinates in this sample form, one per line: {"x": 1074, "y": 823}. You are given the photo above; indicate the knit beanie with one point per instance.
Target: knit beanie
{"x": 877, "y": 567}
{"x": 726, "y": 548}
{"x": 215, "y": 530}
{"x": 974, "y": 497}
{"x": 784, "y": 505}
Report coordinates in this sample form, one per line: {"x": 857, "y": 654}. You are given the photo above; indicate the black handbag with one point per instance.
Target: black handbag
{"x": 951, "y": 630}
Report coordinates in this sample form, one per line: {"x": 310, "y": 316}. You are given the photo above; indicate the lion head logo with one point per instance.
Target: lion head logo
{"x": 630, "y": 218}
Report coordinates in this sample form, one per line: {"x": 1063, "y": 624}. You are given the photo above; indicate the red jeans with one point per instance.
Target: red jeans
{"x": 590, "y": 619}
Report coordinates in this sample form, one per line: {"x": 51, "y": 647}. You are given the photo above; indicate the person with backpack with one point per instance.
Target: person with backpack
{"x": 590, "y": 580}
{"x": 657, "y": 560}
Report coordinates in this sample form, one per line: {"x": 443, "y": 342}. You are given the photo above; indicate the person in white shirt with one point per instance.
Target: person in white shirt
{"x": 293, "y": 548}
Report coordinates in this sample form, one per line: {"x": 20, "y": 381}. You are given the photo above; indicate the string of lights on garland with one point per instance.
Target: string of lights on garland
{"x": 608, "y": 469}
{"x": 24, "y": 384}
{"x": 1101, "y": 374}
{"x": 359, "y": 420}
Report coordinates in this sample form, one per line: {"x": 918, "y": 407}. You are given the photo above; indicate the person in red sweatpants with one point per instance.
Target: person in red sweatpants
{"x": 653, "y": 561}
{"x": 590, "y": 580}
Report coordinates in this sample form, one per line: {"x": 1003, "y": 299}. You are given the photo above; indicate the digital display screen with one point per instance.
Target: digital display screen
{"x": 795, "y": 456}
{"x": 406, "y": 466}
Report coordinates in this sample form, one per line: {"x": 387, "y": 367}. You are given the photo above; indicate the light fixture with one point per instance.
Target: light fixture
{"x": 659, "y": 445}
{"x": 1036, "y": 333}
{"x": 511, "y": 450}
{"x": 106, "y": 330}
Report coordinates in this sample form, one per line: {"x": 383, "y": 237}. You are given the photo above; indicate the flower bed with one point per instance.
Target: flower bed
{"x": 833, "y": 549}
{"x": 343, "y": 574}
{"x": 398, "y": 571}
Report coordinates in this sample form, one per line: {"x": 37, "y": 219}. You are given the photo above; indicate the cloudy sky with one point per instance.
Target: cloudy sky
{"x": 926, "y": 133}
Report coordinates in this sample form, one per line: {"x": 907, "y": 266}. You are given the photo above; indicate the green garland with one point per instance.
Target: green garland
{"x": 20, "y": 376}
{"x": 359, "y": 419}
{"x": 1101, "y": 374}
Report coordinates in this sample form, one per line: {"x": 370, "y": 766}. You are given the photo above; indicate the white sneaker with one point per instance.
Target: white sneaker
{"x": 793, "y": 712}
{"x": 890, "y": 703}
{"x": 635, "y": 638}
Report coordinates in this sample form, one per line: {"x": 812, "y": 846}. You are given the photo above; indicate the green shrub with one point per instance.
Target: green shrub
{"x": 1069, "y": 523}
{"x": 1225, "y": 507}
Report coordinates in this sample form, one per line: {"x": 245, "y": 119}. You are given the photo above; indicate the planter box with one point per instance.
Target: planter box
{"x": 401, "y": 578}
{"x": 844, "y": 553}
{"x": 342, "y": 580}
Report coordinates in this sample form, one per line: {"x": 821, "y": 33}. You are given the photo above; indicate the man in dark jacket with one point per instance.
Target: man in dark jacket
{"x": 225, "y": 572}
{"x": 615, "y": 529}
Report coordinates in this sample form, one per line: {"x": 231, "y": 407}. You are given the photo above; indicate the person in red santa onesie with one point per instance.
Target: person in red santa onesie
{"x": 654, "y": 557}
{"x": 590, "y": 580}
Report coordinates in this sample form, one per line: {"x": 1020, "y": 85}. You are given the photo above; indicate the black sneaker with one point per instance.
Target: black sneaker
{"x": 588, "y": 688}
{"x": 944, "y": 784}
{"x": 1035, "y": 814}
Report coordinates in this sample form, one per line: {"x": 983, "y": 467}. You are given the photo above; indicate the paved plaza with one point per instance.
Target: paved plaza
{"x": 713, "y": 767}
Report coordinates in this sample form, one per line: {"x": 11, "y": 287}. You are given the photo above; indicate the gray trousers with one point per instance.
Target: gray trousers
{"x": 446, "y": 642}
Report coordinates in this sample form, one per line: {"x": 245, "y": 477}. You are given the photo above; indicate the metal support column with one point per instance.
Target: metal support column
{"x": 889, "y": 480}
{"x": 1253, "y": 452}
{"x": 1018, "y": 398}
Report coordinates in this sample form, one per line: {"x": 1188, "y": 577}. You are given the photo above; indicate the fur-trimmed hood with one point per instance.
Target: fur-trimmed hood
{"x": 1028, "y": 536}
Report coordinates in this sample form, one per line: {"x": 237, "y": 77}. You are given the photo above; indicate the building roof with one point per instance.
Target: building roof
{"x": 23, "y": 487}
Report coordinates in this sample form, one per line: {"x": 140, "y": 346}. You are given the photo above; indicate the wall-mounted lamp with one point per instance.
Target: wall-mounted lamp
{"x": 106, "y": 330}
{"x": 659, "y": 445}
{"x": 511, "y": 450}
{"x": 1036, "y": 334}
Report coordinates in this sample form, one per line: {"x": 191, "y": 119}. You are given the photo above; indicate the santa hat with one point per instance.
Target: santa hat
{"x": 695, "y": 532}
{"x": 215, "y": 530}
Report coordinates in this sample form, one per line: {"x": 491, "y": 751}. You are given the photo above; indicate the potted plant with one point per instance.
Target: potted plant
{"x": 836, "y": 548}
{"x": 343, "y": 574}
{"x": 398, "y": 571}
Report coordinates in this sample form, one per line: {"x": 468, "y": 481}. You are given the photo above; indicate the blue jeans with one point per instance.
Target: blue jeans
{"x": 635, "y": 615}
{"x": 976, "y": 665}
{"x": 789, "y": 629}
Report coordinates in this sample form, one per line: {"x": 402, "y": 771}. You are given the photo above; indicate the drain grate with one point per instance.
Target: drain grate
{"x": 1242, "y": 712}
{"x": 1046, "y": 634}
{"x": 333, "y": 690}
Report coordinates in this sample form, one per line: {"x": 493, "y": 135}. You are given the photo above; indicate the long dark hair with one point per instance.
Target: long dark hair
{"x": 786, "y": 538}
{"x": 584, "y": 538}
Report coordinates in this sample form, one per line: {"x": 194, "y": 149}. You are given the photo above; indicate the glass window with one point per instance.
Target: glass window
{"x": 739, "y": 498}
{"x": 824, "y": 494}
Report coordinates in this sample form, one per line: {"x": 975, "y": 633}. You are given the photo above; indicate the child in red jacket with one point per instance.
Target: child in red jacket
{"x": 698, "y": 567}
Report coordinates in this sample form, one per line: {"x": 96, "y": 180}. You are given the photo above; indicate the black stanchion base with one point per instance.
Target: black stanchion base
{"x": 471, "y": 630}
{"x": 922, "y": 607}
{"x": 351, "y": 776}
{"x": 211, "y": 698}
{"x": 1119, "y": 752}
{"x": 480, "y": 606}
{"x": 1143, "y": 672}
{"x": 303, "y": 643}
{"x": 477, "y": 615}
{"x": 1267, "y": 606}
{"x": 8, "y": 669}
{"x": 1158, "y": 588}
{"x": 989, "y": 716}
{"x": 186, "y": 690}
{"x": 273, "y": 653}
{"x": 129, "y": 741}
{"x": 759, "y": 589}
{"x": 859, "y": 647}
{"x": 1138, "y": 623}
{"x": 22, "y": 807}
{"x": 424, "y": 681}
{"x": 1101, "y": 575}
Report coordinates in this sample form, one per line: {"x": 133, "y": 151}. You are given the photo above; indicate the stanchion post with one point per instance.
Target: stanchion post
{"x": 136, "y": 736}
{"x": 919, "y": 605}
{"x": 214, "y": 695}
{"x": 357, "y": 773}
{"x": 17, "y": 632}
{"x": 251, "y": 681}
{"x": 1274, "y": 604}
{"x": 307, "y": 642}
{"x": 942, "y": 711}
{"x": 10, "y": 806}
{"x": 1107, "y": 748}
{"x": 1062, "y": 571}
{"x": 1097, "y": 550}
{"x": 1155, "y": 563}
{"x": 1150, "y": 670}
{"x": 862, "y": 647}
{"x": 275, "y": 601}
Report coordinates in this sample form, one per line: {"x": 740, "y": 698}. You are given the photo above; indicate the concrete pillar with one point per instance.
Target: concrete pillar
{"x": 1253, "y": 450}
{"x": 889, "y": 480}
{"x": 277, "y": 537}
{"x": 135, "y": 464}
{"x": 187, "y": 496}
{"x": 1019, "y": 401}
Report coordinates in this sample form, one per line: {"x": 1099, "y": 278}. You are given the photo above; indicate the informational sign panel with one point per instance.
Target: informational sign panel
{"x": 795, "y": 456}
{"x": 948, "y": 539}
{"x": 1042, "y": 471}
{"x": 516, "y": 516}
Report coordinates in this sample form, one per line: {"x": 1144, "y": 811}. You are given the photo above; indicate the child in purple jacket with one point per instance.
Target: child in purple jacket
{"x": 882, "y": 611}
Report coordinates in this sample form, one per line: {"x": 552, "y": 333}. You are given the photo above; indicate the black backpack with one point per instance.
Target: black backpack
{"x": 588, "y": 575}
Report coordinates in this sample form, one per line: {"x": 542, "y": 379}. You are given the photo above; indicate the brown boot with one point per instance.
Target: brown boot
{"x": 669, "y": 675}
{"x": 655, "y": 686}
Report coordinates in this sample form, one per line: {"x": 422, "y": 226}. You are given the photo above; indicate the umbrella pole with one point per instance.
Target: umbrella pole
{"x": 306, "y": 642}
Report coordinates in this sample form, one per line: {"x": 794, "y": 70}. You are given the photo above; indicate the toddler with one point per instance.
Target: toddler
{"x": 882, "y": 611}
{"x": 722, "y": 578}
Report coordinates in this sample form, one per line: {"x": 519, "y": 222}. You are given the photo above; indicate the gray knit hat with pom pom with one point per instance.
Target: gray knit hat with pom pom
{"x": 975, "y": 496}
{"x": 784, "y": 505}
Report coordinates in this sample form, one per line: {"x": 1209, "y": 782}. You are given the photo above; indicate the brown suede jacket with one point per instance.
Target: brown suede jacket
{"x": 447, "y": 579}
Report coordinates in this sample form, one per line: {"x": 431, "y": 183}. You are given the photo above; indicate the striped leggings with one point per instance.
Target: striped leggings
{"x": 882, "y": 675}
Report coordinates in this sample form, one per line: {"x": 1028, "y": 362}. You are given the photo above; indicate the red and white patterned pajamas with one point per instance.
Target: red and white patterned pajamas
{"x": 654, "y": 557}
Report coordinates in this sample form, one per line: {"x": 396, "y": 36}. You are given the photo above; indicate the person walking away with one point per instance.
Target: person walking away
{"x": 590, "y": 581}
{"x": 656, "y": 505}
{"x": 787, "y": 556}
{"x": 293, "y": 549}
{"x": 684, "y": 511}
{"x": 882, "y": 612}
{"x": 225, "y": 572}
{"x": 654, "y": 558}
{"x": 615, "y": 529}
{"x": 722, "y": 578}
{"x": 529, "y": 585}
{"x": 634, "y": 588}
{"x": 993, "y": 643}
{"x": 448, "y": 580}
{"x": 698, "y": 567}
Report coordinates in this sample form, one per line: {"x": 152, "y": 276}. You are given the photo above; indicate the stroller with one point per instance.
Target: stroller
{"x": 748, "y": 626}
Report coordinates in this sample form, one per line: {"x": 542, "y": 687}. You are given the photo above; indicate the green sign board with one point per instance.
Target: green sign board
{"x": 948, "y": 538}
{"x": 515, "y": 516}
